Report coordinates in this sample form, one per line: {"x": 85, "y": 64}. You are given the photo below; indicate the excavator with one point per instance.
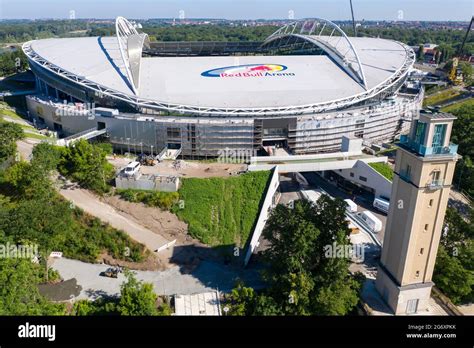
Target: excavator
{"x": 455, "y": 74}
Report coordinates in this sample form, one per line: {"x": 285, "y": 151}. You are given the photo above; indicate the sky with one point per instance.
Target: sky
{"x": 435, "y": 10}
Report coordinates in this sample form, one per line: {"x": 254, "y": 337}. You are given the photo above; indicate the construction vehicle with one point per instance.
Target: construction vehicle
{"x": 111, "y": 272}
{"x": 146, "y": 160}
{"x": 455, "y": 74}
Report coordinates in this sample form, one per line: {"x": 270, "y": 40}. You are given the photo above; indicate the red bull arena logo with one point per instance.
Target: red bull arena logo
{"x": 250, "y": 70}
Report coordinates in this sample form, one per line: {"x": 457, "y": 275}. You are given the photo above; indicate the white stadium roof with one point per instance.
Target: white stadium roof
{"x": 303, "y": 81}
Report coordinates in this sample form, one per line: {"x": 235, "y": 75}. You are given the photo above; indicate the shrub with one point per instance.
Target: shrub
{"x": 163, "y": 200}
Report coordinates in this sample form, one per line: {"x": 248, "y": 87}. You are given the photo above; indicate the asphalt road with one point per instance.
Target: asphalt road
{"x": 363, "y": 200}
{"x": 205, "y": 277}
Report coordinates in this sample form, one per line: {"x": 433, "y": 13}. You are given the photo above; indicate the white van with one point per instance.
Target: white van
{"x": 371, "y": 221}
{"x": 132, "y": 169}
{"x": 351, "y": 206}
{"x": 312, "y": 195}
{"x": 381, "y": 204}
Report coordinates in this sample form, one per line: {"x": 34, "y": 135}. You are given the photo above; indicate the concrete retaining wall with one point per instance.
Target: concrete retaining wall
{"x": 381, "y": 185}
{"x": 270, "y": 202}
{"x": 148, "y": 182}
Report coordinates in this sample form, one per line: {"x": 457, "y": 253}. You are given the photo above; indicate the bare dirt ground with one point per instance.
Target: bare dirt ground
{"x": 186, "y": 252}
{"x": 151, "y": 263}
{"x": 191, "y": 169}
{"x": 160, "y": 222}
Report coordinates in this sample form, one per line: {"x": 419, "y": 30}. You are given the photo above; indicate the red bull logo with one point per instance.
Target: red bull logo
{"x": 249, "y": 70}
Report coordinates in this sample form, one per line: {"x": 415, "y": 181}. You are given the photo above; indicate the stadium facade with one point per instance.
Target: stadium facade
{"x": 303, "y": 88}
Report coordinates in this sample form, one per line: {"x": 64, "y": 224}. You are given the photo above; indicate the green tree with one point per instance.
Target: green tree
{"x": 241, "y": 301}
{"x": 452, "y": 277}
{"x": 302, "y": 279}
{"x": 421, "y": 53}
{"x": 30, "y": 181}
{"x": 458, "y": 231}
{"x": 9, "y": 134}
{"x": 19, "y": 293}
{"x": 137, "y": 298}
{"x": 46, "y": 156}
{"x": 12, "y": 62}
{"x": 467, "y": 72}
{"x": 463, "y": 135}
{"x": 454, "y": 269}
{"x": 87, "y": 164}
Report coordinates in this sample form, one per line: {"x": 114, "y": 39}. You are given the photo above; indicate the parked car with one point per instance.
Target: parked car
{"x": 132, "y": 169}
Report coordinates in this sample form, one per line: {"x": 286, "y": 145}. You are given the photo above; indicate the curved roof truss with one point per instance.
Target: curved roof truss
{"x": 127, "y": 30}
{"x": 327, "y": 36}
{"x": 131, "y": 45}
{"x": 101, "y": 91}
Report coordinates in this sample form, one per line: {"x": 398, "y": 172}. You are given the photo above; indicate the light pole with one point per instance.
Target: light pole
{"x": 460, "y": 174}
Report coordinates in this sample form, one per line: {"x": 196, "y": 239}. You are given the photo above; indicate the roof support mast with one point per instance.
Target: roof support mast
{"x": 321, "y": 34}
{"x": 353, "y": 20}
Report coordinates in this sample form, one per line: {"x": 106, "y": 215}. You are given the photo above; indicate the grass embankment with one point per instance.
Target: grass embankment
{"x": 384, "y": 169}
{"x": 441, "y": 97}
{"x": 8, "y": 115}
{"x": 455, "y": 107}
{"x": 222, "y": 211}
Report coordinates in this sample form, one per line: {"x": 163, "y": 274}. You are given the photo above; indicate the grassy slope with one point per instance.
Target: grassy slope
{"x": 441, "y": 97}
{"x": 222, "y": 211}
{"x": 30, "y": 132}
{"x": 454, "y": 107}
{"x": 383, "y": 169}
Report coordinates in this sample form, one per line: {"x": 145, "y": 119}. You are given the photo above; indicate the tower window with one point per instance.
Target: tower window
{"x": 421, "y": 251}
{"x": 362, "y": 178}
{"x": 431, "y": 202}
{"x": 426, "y": 227}
{"x": 417, "y": 274}
{"x": 439, "y": 135}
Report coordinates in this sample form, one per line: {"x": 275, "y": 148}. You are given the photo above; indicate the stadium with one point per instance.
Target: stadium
{"x": 302, "y": 89}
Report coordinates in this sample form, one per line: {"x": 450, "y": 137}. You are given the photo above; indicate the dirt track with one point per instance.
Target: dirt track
{"x": 190, "y": 169}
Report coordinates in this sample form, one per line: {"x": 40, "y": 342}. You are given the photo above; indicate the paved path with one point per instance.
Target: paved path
{"x": 460, "y": 202}
{"x": 91, "y": 204}
{"x": 207, "y": 276}
{"x": 25, "y": 147}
